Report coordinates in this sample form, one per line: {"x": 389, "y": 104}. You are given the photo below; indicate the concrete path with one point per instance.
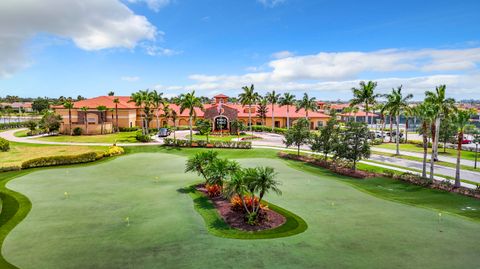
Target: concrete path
{"x": 420, "y": 155}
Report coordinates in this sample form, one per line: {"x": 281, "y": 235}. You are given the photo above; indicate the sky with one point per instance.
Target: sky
{"x": 90, "y": 47}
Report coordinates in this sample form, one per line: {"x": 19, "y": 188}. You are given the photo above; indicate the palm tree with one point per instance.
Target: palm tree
{"x": 102, "y": 110}
{"x": 273, "y": 98}
{"x": 444, "y": 106}
{"x": 85, "y": 120}
{"x": 237, "y": 186}
{"x": 287, "y": 100}
{"x": 365, "y": 95}
{"x": 173, "y": 115}
{"x": 116, "y": 101}
{"x": 460, "y": 119}
{"x": 69, "y": 105}
{"x": 157, "y": 100}
{"x": 351, "y": 110}
{"x": 262, "y": 110}
{"x": 307, "y": 103}
{"x": 249, "y": 97}
{"x": 198, "y": 162}
{"x": 425, "y": 112}
{"x": 396, "y": 104}
{"x": 143, "y": 100}
{"x": 219, "y": 169}
{"x": 265, "y": 182}
{"x": 111, "y": 93}
{"x": 190, "y": 101}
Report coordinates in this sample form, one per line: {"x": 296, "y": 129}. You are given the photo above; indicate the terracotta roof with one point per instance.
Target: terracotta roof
{"x": 339, "y": 106}
{"x": 21, "y": 104}
{"x": 103, "y": 101}
{"x": 220, "y": 96}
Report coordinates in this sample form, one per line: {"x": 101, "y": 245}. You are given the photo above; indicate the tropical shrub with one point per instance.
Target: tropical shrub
{"x": 142, "y": 137}
{"x": 260, "y": 128}
{"x": 213, "y": 190}
{"x": 113, "y": 151}
{"x": 60, "y": 160}
{"x": 128, "y": 129}
{"x": 31, "y": 125}
{"x": 4, "y": 145}
{"x": 203, "y": 143}
{"x": 77, "y": 131}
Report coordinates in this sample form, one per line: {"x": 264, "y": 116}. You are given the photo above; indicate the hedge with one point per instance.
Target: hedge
{"x": 4, "y": 145}
{"x": 12, "y": 125}
{"x": 204, "y": 144}
{"x": 260, "y": 128}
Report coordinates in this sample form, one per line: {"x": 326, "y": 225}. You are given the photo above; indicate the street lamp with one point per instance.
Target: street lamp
{"x": 476, "y": 152}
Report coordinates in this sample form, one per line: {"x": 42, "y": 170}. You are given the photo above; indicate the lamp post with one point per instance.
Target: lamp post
{"x": 476, "y": 153}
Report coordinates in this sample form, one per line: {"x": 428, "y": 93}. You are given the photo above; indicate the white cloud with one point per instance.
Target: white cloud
{"x": 154, "y": 5}
{"x": 271, "y": 3}
{"x": 130, "y": 78}
{"x": 154, "y": 50}
{"x": 282, "y": 54}
{"x": 90, "y": 24}
{"x": 336, "y": 73}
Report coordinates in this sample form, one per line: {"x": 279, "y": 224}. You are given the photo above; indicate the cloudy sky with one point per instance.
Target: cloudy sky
{"x": 89, "y": 47}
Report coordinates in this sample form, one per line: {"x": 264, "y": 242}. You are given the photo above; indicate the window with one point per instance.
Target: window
{"x": 319, "y": 123}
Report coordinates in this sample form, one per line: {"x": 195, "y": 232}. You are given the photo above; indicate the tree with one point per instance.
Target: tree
{"x": 189, "y": 102}
{"x": 40, "y": 105}
{"x": 85, "y": 119}
{"x": 425, "y": 112}
{"x": 262, "y": 110}
{"x": 365, "y": 95}
{"x": 327, "y": 141}
{"x": 111, "y": 93}
{"x": 116, "y": 101}
{"x": 444, "y": 106}
{"x": 273, "y": 99}
{"x": 287, "y": 100}
{"x": 218, "y": 170}
{"x": 157, "y": 101}
{"x": 249, "y": 97}
{"x": 236, "y": 127}
{"x": 204, "y": 127}
{"x": 354, "y": 145}
{"x": 476, "y": 141}
{"x": 298, "y": 135}
{"x": 143, "y": 100}
{"x": 447, "y": 132}
{"x": 460, "y": 119}
{"x": 395, "y": 105}
{"x": 50, "y": 122}
{"x": 102, "y": 110}
{"x": 264, "y": 181}
{"x": 308, "y": 104}
{"x": 69, "y": 105}
{"x": 199, "y": 162}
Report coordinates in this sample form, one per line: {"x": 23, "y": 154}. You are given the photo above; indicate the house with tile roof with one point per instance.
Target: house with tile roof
{"x": 220, "y": 112}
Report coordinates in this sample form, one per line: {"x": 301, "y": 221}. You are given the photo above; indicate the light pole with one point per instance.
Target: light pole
{"x": 476, "y": 153}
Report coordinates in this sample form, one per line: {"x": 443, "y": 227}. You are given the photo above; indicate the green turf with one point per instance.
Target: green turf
{"x": 22, "y": 133}
{"x": 122, "y": 137}
{"x": 215, "y": 137}
{"x": 347, "y": 225}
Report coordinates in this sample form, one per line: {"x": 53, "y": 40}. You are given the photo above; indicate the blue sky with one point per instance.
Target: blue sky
{"x": 53, "y": 48}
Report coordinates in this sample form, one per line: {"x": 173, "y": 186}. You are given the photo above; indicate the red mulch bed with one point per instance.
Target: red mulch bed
{"x": 236, "y": 219}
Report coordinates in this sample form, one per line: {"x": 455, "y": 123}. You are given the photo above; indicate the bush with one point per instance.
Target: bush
{"x": 128, "y": 129}
{"x": 60, "y": 160}
{"x": 142, "y": 138}
{"x": 77, "y": 131}
{"x": 113, "y": 151}
{"x": 213, "y": 190}
{"x": 4, "y": 145}
{"x": 12, "y": 125}
{"x": 376, "y": 141}
{"x": 260, "y": 128}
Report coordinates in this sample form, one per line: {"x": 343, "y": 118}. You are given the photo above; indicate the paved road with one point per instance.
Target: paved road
{"x": 420, "y": 155}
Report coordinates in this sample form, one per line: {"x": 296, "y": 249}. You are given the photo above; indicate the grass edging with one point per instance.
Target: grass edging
{"x": 218, "y": 227}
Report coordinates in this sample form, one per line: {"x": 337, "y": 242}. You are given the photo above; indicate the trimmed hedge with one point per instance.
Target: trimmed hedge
{"x": 60, "y": 160}
{"x": 260, "y": 128}
{"x": 4, "y": 145}
{"x": 203, "y": 143}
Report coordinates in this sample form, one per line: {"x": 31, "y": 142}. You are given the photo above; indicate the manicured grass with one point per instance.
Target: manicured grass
{"x": 466, "y": 155}
{"x": 22, "y": 133}
{"x": 216, "y": 137}
{"x": 217, "y": 226}
{"x": 122, "y": 137}
{"x": 348, "y": 225}
{"x": 20, "y": 152}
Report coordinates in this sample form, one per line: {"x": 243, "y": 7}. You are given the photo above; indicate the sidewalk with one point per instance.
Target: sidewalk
{"x": 420, "y": 155}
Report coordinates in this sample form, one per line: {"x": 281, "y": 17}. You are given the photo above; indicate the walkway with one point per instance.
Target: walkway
{"x": 420, "y": 155}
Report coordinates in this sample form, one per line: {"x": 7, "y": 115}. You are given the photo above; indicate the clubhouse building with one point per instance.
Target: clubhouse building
{"x": 219, "y": 111}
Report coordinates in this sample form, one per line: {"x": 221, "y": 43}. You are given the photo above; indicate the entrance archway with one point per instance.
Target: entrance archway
{"x": 220, "y": 123}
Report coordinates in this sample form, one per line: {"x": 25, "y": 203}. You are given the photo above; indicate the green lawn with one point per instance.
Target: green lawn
{"x": 122, "y": 137}
{"x": 466, "y": 155}
{"x": 216, "y": 137}
{"x": 22, "y": 133}
{"x": 20, "y": 152}
{"x": 351, "y": 223}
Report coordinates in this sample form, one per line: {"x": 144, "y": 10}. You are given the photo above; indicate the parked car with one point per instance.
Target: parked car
{"x": 394, "y": 134}
{"x": 163, "y": 132}
{"x": 466, "y": 141}
{"x": 378, "y": 134}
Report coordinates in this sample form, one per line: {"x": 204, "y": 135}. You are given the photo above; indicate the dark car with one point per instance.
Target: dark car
{"x": 163, "y": 132}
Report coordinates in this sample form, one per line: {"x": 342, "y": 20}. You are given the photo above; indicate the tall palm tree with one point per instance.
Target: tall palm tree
{"x": 262, "y": 110}
{"x": 174, "y": 116}
{"x": 365, "y": 94}
{"x": 69, "y": 105}
{"x": 143, "y": 100}
{"x": 426, "y": 113}
{"x": 249, "y": 97}
{"x": 157, "y": 101}
{"x": 85, "y": 120}
{"x": 397, "y": 104}
{"x": 102, "y": 110}
{"x": 198, "y": 163}
{"x": 273, "y": 99}
{"x": 189, "y": 101}
{"x": 265, "y": 182}
{"x": 444, "y": 107}
{"x": 460, "y": 119}
{"x": 287, "y": 100}
{"x": 116, "y": 101}
{"x": 307, "y": 103}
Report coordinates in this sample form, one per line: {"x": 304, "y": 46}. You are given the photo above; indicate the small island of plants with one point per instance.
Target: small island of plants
{"x": 231, "y": 199}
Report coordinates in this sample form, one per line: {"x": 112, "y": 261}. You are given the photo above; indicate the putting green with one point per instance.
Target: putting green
{"x": 346, "y": 227}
